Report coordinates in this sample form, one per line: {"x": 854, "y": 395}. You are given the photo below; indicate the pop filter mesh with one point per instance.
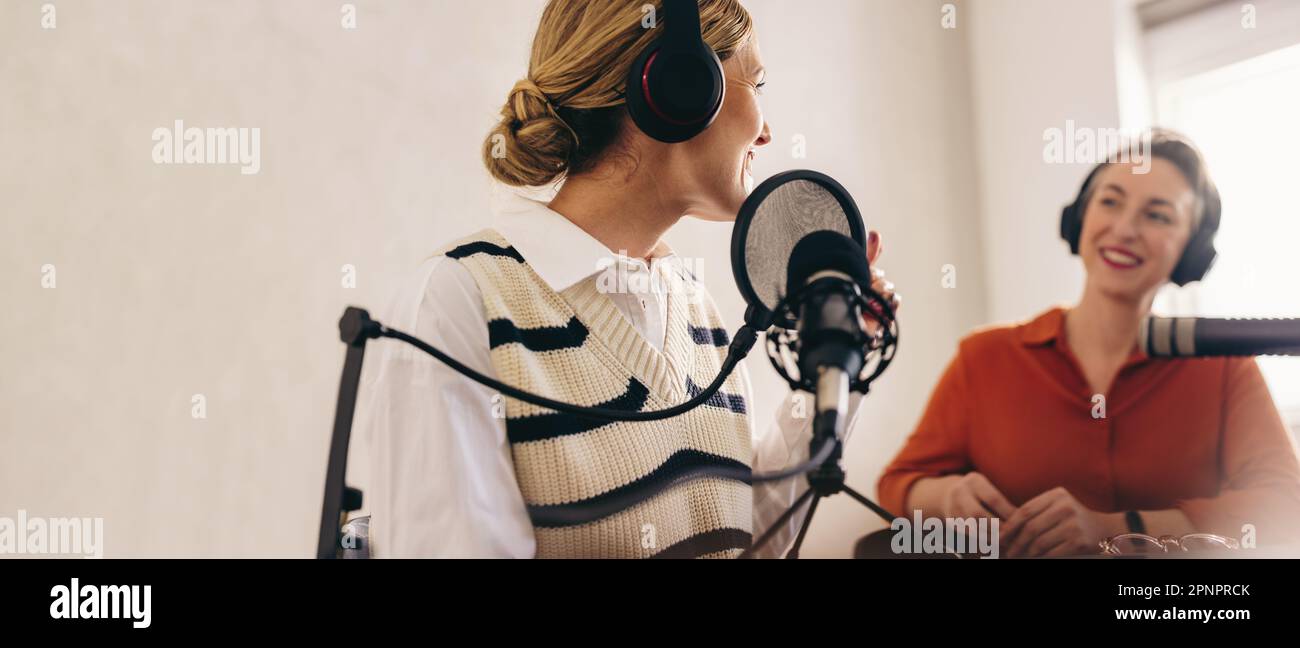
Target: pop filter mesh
{"x": 790, "y": 212}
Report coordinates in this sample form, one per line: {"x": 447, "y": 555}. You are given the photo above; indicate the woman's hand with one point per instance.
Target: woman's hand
{"x": 973, "y": 496}
{"x": 1056, "y": 524}
{"x": 885, "y": 288}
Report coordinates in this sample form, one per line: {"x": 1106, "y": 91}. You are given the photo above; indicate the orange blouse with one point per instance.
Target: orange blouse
{"x": 1200, "y": 435}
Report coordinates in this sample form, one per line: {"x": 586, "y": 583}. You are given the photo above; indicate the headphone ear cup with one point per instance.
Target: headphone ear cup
{"x": 641, "y": 114}
{"x": 1197, "y": 259}
{"x": 1072, "y": 214}
{"x": 1201, "y": 254}
{"x": 674, "y": 94}
{"x": 1071, "y": 226}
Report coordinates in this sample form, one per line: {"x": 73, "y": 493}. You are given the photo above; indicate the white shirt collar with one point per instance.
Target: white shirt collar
{"x": 560, "y": 252}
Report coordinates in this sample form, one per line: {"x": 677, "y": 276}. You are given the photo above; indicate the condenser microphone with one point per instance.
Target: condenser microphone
{"x": 827, "y": 275}
{"x": 1200, "y": 337}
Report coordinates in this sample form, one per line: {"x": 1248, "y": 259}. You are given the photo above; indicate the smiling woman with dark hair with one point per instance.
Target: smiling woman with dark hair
{"x": 1062, "y": 428}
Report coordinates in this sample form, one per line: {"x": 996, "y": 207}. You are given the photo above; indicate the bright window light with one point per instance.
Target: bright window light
{"x": 1246, "y": 119}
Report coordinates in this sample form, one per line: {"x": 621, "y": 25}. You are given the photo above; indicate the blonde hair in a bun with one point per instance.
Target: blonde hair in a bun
{"x": 569, "y": 110}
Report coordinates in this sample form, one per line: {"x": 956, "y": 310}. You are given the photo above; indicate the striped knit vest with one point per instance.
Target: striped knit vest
{"x": 577, "y": 347}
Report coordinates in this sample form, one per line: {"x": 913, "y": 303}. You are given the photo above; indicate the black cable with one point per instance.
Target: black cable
{"x": 823, "y": 453}
{"x": 740, "y": 346}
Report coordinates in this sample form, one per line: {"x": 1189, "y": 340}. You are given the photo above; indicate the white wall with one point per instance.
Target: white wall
{"x": 1035, "y": 65}
{"x": 182, "y": 280}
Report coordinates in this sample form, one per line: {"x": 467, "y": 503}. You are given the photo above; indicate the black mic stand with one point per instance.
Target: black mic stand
{"x": 355, "y": 329}
{"x": 827, "y": 479}
{"x": 823, "y": 481}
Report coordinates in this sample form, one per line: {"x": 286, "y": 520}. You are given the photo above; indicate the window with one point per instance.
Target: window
{"x": 1242, "y": 108}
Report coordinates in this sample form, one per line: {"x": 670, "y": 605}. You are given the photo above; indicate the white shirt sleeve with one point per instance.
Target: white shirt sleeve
{"x": 443, "y": 480}
{"x": 785, "y": 443}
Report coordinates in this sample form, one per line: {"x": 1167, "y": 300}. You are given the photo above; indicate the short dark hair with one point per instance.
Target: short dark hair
{"x": 1177, "y": 149}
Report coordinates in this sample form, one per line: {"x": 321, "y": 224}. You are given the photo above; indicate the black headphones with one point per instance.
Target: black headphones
{"x": 675, "y": 87}
{"x": 1197, "y": 257}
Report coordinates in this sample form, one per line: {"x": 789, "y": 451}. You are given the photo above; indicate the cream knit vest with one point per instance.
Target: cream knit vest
{"x": 578, "y": 348}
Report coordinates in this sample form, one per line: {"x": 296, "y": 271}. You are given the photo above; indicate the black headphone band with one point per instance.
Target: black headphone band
{"x": 685, "y": 25}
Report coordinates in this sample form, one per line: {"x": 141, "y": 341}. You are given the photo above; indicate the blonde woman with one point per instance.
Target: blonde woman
{"x": 459, "y": 471}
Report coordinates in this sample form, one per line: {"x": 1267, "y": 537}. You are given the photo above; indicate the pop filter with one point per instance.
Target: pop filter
{"x": 778, "y": 214}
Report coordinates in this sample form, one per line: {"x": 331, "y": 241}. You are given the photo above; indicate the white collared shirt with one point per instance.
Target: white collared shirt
{"x": 442, "y": 477}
